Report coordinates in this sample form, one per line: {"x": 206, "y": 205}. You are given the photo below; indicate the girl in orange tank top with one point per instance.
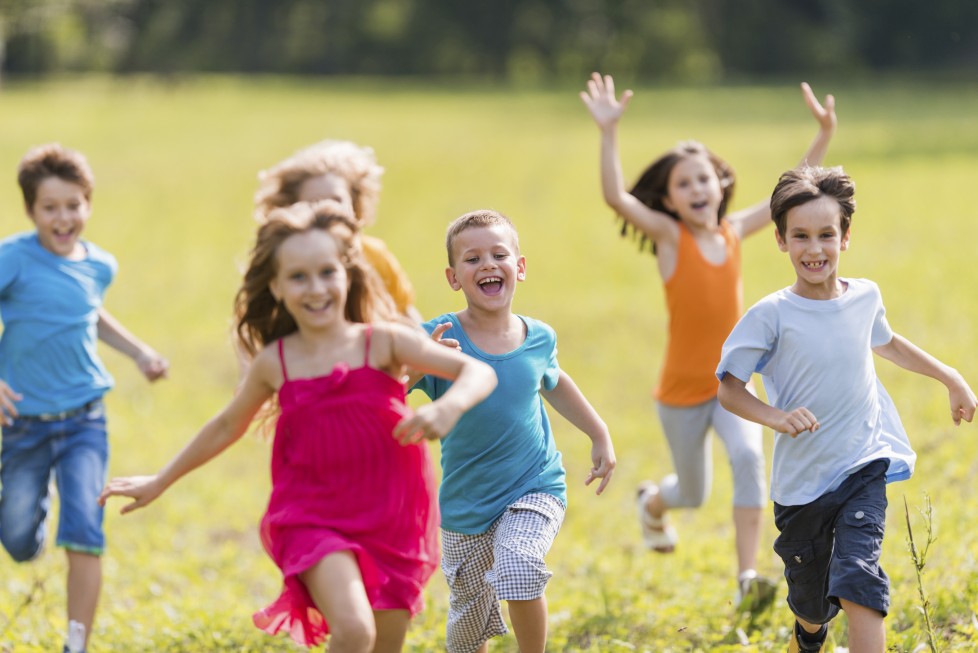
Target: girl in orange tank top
{"x": 680, "y": 204}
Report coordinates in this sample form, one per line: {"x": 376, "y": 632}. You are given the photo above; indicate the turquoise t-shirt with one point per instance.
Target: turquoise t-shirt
{"x": 503, "y": 448}
{"x": 49, "y": 308}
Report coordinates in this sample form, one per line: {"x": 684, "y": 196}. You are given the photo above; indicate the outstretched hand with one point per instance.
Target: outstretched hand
{"x": 429, "y": 422}
{"x": 600, "y": 99}
{"x": 439, "y": 330}
{"x": 152, "y": 365}
{"x": 603, "y": 465}
{"x": 963, "y": 403}
{"x": 144, "y": 489}
{"x": 825, "y": 115}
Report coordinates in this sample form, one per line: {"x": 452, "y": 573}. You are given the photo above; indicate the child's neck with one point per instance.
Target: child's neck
{"x": 494, "y": 333}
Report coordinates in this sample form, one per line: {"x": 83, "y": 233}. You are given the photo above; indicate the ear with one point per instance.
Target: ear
{"x": 521, "y": 269}
{"x": 666, "y": 202}
{"x": 273, "y": 288}
{"x": 452, "y": 279}
{"x": 844, "y": 243}
{"x": 783, "y": 246}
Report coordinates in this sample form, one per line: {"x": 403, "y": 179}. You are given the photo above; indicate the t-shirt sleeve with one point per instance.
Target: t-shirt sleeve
{"x": 750, "y": 345}
{"x": 9, "y": 267}
{"x": 882, "y": 333}
{"x": 552, "y": 372}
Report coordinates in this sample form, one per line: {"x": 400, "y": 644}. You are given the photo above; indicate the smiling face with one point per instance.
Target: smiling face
{"x": 60, "y": 213}
{"x": 486, "y": 266}
{"x": 694, "y": 192}
{"x": 814, "y": 241}
{"x": 311, "y": 280}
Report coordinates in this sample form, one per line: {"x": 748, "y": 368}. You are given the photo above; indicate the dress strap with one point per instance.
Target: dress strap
{"x": 281, "y": 359}
{"x": 366, "y": 345}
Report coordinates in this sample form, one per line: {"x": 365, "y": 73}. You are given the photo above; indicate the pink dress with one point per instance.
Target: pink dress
{"x": 341, "y": 482}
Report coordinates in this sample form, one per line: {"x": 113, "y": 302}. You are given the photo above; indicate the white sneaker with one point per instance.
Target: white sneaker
{"x": 754, "y": 593}
{"x": 658, "y": 533}
{"x": 76, "y": 637}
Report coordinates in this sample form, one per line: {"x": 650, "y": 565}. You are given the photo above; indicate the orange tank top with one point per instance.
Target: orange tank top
{"x": 704, "y": 301}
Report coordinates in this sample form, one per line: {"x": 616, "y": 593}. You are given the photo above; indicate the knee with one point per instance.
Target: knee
{"x": 517, "y": 576}
{"x": 23, "y": 545}
{"x": 353, "y": 632}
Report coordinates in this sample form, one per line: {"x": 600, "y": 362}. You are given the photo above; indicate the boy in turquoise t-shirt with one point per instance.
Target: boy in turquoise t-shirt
{"x": 503, "y": 491}
{"x": 51, "y": 378}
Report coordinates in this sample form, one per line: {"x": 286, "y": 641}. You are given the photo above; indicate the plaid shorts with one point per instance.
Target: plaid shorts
{"x": 503, "y": 564}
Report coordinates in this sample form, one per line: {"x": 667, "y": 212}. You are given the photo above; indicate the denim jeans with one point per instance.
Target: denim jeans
{"x": 74, "y": 451}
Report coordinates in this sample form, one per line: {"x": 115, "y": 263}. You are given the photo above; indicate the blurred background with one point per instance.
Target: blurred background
{"x": 531, "y": 41}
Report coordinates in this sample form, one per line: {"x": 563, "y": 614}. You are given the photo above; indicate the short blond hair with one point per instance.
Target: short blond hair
{"x": 472, "y": 219}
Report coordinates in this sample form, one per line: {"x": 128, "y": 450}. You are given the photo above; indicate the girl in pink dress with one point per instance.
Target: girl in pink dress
{"x": 352, "y": 520}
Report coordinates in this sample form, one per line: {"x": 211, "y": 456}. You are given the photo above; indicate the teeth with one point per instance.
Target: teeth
{"x": 490, "y": 280}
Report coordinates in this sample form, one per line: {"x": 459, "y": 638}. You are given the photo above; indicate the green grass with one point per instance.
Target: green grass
{"x": 176, "y": 166}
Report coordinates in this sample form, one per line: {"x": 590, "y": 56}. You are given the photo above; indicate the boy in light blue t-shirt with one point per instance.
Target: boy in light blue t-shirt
{"x": 51, "y": 379}
{"x": 838, "y": 438}
{"x": 503, "y": 492}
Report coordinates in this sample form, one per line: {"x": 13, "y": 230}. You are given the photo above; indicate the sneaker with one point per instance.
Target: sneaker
{"x": 802, "y": 642}
{"x": 754, "y": 593}
{"x": 657, "y": 533}
{"x": 76, "y": 637}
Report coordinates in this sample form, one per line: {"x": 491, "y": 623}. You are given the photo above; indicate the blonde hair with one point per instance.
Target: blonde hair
{"x": 356, "y": 165}
{"x": 472, "y": 219}
{"x": 260, "y": 318}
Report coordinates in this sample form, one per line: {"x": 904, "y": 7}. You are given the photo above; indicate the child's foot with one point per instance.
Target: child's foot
{"x": 754, "y": 593}
{"x": 76, "y": 637}
{"x": 805, "y": 642}
{"x": 657, "y": 533}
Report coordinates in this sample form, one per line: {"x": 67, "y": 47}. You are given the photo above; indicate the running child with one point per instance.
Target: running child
{"x": 503, "y": 491}
{"x": 52, "y": 381}
{"x": 348, "y": 173}
{"x": 838, "y": 439}
{"x": 352, "y": 520}
{"x": 680, "y": 204}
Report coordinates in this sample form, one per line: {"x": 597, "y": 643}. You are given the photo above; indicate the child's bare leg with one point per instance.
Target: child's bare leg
{"x": 529, "y": 620}
{"x": 867, "y": 634}
{"x": 392, "y": 627}
{"x": 747, "y": 524}
{"x": 84, "y": 585}
{"x": 336, "y": 587}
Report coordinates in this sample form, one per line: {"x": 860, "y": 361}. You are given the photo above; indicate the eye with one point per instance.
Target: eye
{"x": 297, "y": 276}
{"x": 472, "y": 259}
{"x": 501, "y": 256}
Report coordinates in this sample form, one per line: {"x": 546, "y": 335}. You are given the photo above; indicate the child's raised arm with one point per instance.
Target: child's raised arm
{"x": 752, "y": 219}
{"x": 111, "y": 332}
{"x": 607, "y": 110}
{"x": 911, "y": 357}
{"x": 472, "y": 381}
{"x": 218, "y": 434}
{"x": 736, "y": 398}
{"x": 568, "y": 400}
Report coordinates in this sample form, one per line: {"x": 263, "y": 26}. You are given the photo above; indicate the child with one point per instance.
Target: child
{"x": 352, "y": 520}
{"x": 680, "y": 204}
{"x": 51, "y": 378}
{"x": 348, "y": 173}
{"x": 503, "y": 492}
{"x": 813, "y": 344}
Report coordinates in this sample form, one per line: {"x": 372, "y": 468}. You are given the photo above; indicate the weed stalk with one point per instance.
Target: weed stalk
{"x": 919, "y": 557}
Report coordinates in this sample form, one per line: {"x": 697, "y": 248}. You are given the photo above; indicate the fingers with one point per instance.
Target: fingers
{"x": 439, "y": 329}
{"x": 603, "y": 471}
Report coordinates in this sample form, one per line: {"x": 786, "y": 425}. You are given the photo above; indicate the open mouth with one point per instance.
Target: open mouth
{"x": 814, "y": 266}
{"x": 491, "y": 285}
{"x": 696, "y": 206}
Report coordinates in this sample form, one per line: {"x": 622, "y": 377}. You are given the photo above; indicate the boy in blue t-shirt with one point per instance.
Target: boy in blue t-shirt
{"x": 838, "y": 438}
{"x": 503, "y": 492}
{"x": 51, "y": 379}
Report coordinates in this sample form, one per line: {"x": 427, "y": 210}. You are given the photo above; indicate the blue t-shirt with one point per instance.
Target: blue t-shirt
{"x": 503, "y": 448}
{"x": 49, "y": 308}
{"x": 819, "y": 354}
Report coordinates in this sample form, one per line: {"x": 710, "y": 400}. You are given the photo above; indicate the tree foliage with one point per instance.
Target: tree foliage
{"x": 537, "y": 40}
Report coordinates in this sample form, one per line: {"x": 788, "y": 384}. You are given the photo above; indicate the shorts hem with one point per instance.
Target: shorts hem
{"x": 81, "y": 548}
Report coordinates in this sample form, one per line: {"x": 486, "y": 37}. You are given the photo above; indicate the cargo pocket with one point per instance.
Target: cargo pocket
{"x": 861, "y": 535}
{"x": 799, "y": 561}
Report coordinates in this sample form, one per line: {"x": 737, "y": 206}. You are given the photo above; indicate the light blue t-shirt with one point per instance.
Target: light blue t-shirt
{"x": 49, "y": 308}
{"x": 818, "y": 354}
{"x": 503, "y": 448}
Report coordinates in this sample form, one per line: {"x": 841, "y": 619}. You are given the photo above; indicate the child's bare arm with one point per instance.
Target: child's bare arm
{"x": 111, "y": 332}
{"x": 607, "y": 110}
{"x": 735, "y": 397}
{"x": 754, "y": 218}
{"x": 7, "y": 398}
{"x": 909, "y": 356}
{"x": 223, "y": 430}
{"x": 568, "y": 400}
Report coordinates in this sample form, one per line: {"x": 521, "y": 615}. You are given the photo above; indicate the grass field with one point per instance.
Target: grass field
{"x": 176, "y": 166}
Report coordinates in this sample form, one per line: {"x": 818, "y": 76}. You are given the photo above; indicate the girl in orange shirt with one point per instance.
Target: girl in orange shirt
{"x": 680, "y": 204}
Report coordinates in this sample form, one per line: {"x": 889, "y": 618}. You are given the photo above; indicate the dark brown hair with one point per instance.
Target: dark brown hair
{"x": 53, "y": 160}
{"x": 802, "y": 185}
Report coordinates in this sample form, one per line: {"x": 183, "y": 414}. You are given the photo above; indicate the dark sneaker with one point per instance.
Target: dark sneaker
{"x": 802, "y": 642}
